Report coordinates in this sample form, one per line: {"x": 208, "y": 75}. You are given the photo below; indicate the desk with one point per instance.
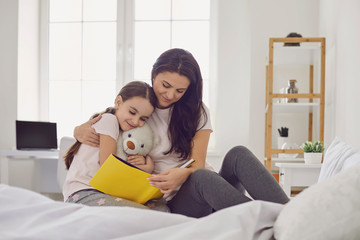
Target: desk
{"x": 297, "y": 174}
{"x": 7, "y": 155}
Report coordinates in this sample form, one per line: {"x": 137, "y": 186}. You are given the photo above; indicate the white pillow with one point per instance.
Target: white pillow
{"x": 351, "y": 161}
{"x": 327, "y": 210}
{"x": 336, "y": 156}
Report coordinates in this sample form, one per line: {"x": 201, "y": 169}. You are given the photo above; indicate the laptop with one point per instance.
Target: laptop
{"x": 32, "y": 135}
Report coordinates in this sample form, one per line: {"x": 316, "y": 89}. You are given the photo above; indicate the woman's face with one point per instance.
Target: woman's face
{"x": 133, "y": 112}
{"x": 169, "y": 87}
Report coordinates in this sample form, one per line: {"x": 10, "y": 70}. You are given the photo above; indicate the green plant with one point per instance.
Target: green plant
{"x": 316, "y": 147}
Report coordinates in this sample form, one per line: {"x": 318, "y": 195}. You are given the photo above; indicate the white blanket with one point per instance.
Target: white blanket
{"x": 29, "y": 215}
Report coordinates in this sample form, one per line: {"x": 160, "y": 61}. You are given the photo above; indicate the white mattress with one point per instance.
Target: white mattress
{"x": 28, "y": 215}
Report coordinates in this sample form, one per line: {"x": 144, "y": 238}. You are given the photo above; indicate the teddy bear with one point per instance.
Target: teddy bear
{"x": 136, "y": 141}
{"x": 140, "y": 141}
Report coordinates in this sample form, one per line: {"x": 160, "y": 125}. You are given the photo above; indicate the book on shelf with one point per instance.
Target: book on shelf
{"x": 119, "y": 178}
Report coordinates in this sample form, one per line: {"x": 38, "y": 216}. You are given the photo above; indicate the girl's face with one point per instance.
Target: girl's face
{"x": 133, "y": 112}
{"x": 169, "y": 87}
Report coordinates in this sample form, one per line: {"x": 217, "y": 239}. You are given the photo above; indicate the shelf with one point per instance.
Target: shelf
{"x": 296, "y": 55}
{"x": 308, "y": 58}
{"x": 297, "y": 159}
{"x": 294, "y": 107}
{"x": 288, "y": 160}
{"x": 298, "y": 165}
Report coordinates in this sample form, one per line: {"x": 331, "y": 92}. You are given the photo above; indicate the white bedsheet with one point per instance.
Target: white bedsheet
{"x": 28, "y": 215}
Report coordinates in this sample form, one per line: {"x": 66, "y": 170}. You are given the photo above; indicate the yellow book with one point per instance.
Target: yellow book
{"x": 119, "y": 178}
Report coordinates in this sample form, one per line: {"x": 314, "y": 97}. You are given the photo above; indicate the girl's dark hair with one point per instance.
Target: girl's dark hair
{"x": 130, "y": 90}
{"x": 186, "y": 112}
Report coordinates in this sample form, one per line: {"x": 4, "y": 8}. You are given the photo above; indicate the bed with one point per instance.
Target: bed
{"x": 327, "y": 210}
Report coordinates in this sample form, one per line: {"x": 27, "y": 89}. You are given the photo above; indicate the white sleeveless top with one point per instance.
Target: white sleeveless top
{"x": 159, "y": 122}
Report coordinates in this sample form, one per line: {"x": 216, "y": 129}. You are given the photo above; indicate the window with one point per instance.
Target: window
{"x": 93, "y": 47}
{"x": 163, "y": 24}
{"x": 82, "y": 60}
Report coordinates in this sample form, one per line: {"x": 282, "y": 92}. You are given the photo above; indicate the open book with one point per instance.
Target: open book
{"x": 119, "y": 178}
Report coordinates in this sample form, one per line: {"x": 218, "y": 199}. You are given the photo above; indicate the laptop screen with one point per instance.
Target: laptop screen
{"x": 36, "y": 135}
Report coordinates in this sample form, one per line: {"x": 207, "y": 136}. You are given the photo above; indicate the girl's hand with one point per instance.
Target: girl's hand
{"x": 170, "y": 179}
{"x": 136, "y": 160}
{"x": 145, "y": 164}
{"x": 86, "y": 134}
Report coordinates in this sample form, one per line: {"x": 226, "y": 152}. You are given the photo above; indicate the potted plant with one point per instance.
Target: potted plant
{"x": 313, "y": 152}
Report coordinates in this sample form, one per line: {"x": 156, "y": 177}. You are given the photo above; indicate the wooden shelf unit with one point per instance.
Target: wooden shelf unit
{"x": 310, "y": 107}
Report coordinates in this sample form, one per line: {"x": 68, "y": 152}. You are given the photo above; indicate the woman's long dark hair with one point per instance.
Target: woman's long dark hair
{"x": 186, "y": 112}
{"x": 130, "y": 90}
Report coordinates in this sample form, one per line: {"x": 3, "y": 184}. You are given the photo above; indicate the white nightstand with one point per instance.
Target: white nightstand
{"x": 297, "y": 174}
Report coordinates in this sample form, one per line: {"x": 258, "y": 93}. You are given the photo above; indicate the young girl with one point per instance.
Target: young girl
{"x": 133, "y": 106}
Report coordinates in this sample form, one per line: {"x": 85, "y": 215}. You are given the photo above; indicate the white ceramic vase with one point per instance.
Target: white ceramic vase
{"x": 281, "y": 141}
{"x": 312, "y": 158}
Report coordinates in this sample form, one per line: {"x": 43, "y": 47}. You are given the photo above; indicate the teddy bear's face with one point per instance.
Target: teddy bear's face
{"x": 138, "y": 141}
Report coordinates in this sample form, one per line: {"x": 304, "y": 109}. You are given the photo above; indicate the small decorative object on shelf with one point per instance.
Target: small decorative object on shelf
{"x": 283, "y": 143}
{"x": 287, "y": 146}
{"x": 282, "y": 139}
{"x": 293, "y": 34}
{"x": 292, "y": 89}
{"x": 313, "y": 152}
{"x": 283, "y": 131}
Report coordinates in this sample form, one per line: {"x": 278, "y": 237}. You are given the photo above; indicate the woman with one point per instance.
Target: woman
{"x": 183, "y": 124}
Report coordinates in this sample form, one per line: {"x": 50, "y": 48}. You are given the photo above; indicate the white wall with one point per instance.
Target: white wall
{"x": 19, "y": 76}
{"x": 8, "y": 71}
{"x": 28, "y": 60}
{"x": 244, "y": 29}
{"x": 339, "y": 23}
{"x": 8, "y": 79}
{"x": 233, "y": 78}
{"x": 275, "y": 18}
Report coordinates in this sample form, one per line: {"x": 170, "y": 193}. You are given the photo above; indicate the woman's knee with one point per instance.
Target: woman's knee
{"x": 239, "y": 150}
{"x": 237, "y": 153}
{"x": 240, "y": 155}
{"x": 201, "y": 175}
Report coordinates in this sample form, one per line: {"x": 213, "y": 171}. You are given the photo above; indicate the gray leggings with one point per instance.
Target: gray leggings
{"x": 205, "y": 191}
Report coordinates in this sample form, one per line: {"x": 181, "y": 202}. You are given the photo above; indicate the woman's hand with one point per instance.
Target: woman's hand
{"x": 170, "y": 179}
{"x": 86, "y": 134}
{"x": 146, "y": 164}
